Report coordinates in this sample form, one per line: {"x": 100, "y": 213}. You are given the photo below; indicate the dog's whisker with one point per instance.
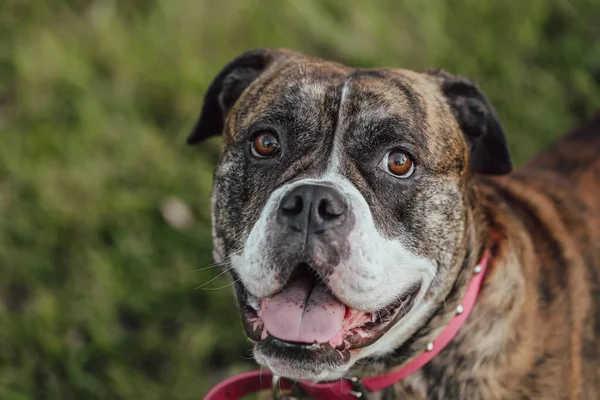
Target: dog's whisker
{"x": 223, "y": 287}
{"x": 294, "y": 383}
{"x": 213, "y": 279}
{"x": 216, "y": 265}
{"x": 403, "y": 308}
{"x": 223, "y": 263}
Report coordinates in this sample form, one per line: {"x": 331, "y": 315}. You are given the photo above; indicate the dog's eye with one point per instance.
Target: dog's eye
{"x": 265, "y": 144}
{"x": 398, "y": 163}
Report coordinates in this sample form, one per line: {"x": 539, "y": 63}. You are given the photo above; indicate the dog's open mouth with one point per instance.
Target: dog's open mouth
{"x": 305, "y": 313}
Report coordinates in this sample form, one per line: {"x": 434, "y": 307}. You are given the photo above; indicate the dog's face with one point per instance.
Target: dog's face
{"x": 341, "y": 201}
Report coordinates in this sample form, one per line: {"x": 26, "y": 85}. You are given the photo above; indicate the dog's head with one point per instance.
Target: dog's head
{"x": 342, "y": 201}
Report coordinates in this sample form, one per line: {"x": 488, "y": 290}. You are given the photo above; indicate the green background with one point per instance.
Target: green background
{"x": 104, "y": 219}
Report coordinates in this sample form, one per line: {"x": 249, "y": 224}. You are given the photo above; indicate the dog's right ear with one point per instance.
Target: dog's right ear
{"x": 226, "y": 88}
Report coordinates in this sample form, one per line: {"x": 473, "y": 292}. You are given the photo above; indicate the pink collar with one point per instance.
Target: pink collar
{"x": 348, "y": 389}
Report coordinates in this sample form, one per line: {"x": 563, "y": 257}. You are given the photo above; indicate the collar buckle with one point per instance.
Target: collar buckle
{"x": 358, "y": 389}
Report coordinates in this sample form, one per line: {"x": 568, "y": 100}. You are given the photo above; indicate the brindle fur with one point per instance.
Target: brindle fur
{"x": 533, "y": 332}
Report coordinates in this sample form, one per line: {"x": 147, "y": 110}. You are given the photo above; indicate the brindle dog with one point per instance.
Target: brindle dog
{"x": 352, "y": 205}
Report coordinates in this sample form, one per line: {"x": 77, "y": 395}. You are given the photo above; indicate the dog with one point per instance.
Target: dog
{"x": 352, "y": 204}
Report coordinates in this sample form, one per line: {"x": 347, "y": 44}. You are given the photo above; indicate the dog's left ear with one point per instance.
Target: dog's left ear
{"x": 226, "y": 88}
{"x": 488, "y": 148}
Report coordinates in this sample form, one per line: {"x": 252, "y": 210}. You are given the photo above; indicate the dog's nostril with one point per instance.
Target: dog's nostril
{"x": 292, "y": 206}
{"x": 328, "y": 209}
{"x": 311, "y": 208}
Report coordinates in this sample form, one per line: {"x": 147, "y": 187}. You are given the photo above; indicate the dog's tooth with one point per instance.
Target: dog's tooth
{"x": 374, "y": 316}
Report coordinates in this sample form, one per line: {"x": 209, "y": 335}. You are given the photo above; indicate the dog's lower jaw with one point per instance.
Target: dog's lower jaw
{"x": 298, "y": 373}
{"x": 315, "y": 365}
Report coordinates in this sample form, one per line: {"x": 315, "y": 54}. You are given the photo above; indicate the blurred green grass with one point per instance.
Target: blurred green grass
{"x": 98, "y": 277}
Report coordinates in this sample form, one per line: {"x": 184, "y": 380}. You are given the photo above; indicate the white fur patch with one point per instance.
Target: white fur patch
{"x": 335, "y": 160}
{"x": 376, "y": 273}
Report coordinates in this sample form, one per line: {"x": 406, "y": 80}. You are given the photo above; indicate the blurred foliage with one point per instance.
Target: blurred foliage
{"x": 104, "y": 212}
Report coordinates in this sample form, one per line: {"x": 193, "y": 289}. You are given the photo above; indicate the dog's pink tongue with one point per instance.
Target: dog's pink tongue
{"x": 303, "y": 312}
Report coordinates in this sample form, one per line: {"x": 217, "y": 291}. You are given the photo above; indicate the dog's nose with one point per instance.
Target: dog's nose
{"x": 312, "y": 208}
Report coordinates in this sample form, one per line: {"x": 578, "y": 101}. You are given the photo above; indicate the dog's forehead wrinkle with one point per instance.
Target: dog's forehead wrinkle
{"x": 299, "y": 84}
{"x": 393, "y": 91}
